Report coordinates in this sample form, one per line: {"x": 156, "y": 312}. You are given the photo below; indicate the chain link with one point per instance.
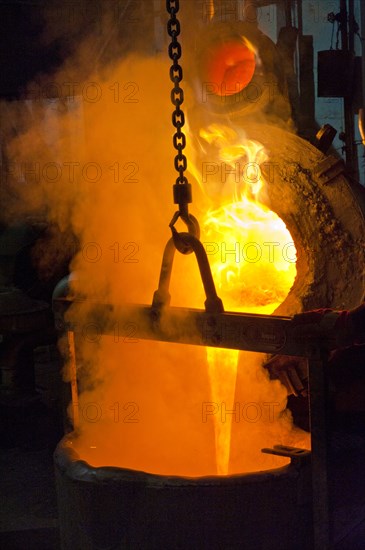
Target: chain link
{"x": 177, "y": 98}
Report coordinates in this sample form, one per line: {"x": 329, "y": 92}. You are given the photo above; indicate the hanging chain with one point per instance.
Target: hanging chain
{"x": 182, "y": 189}
{"x": 184, "y": 242}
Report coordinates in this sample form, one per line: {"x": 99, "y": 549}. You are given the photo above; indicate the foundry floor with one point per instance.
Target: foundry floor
{"x": 28, "y": 513}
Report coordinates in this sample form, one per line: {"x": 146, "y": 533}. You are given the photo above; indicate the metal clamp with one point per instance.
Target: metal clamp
{"x": 186, "y": 243}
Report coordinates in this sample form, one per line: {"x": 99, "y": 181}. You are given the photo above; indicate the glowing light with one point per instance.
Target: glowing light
{"x": 243, "y": 235}
{"x": 231, "y": 66}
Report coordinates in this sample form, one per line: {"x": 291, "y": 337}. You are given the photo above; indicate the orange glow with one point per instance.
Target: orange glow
{"x": 231, "y": 65}
{"x": 248, "y": 276}
{"x": 175, "y": 410}
{"x": 152, "y": 406}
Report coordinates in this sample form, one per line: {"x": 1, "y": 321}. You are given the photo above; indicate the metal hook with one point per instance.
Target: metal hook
{"x": 182, "y": 244}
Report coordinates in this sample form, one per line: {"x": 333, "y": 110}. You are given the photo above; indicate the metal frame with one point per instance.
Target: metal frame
{"x": 241, "y": 331}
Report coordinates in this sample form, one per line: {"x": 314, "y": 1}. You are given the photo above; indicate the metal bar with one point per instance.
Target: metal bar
{"x": 319, "y": 428}
{"x": 288, "y": 14}
{"x": 300, "y": 16}
{"x": 240, "y": 331}
{"x": 351, "y": 19}
{"x": 344, "y": 34}
{"x": 73, "y": 379}
{"x": 347, "y": 43}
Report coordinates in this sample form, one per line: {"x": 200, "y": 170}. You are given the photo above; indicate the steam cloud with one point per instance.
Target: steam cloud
{"x": 97, "y": 162}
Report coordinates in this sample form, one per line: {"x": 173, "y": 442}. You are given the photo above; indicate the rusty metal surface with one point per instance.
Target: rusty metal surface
{"x": 241, "y": 331}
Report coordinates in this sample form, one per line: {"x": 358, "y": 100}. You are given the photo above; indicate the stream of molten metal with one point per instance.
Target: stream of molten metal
{"x": 245, "y": 240}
